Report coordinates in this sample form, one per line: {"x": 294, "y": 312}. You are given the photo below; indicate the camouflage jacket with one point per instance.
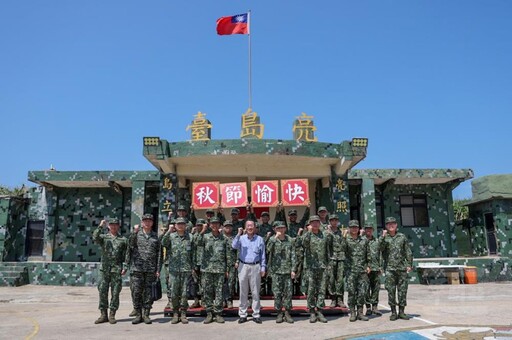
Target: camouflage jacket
{"x": 113, "y": 250}
{"x": 281, "y": 255}
{"x": 374, "y": 261}
{"x": 315, "y": 250}
{"x": 357, "y": 254}
{"x": 396, "y": 252}
{"x": 263, "y": 229}
{"x": 144, "y": 253}
{"x": 336, "y": 245}
{"x": 292, "y": 228}
{"x": 234, "y": 252}
{"x": 216, "y": 253}
{"x": 180, "y": 252}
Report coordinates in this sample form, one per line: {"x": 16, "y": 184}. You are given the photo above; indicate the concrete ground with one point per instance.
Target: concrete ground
{"x": 51, "y": 312}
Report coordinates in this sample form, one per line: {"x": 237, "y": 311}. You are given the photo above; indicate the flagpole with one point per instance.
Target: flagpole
{"x": 250, "y": 59}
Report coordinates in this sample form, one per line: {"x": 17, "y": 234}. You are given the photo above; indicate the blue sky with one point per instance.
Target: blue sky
{"x": 428, "y": 82}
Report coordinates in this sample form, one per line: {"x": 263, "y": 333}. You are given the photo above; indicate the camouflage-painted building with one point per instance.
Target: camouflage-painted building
{"x": 45, "y": 238}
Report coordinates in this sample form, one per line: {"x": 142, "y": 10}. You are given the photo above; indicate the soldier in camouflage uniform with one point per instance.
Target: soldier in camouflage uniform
{"x": 113, "y": 252}
{"x": 216, "y": 256}
{"x": 167, "y": 228}
{"x": 281, "y": 262}
{"x": 182, "y": 212}
{"x": 397, "y": 263}
{"x": 374, "y": 262}
{"x": 335, "y": 246}
{"x": 323, "y": 213}
{"x": 265, "y": 230}
{"x": 180, "y": 253}
{"x": 357, "y": 254}
{"x": 198, "y": 258}
{"x": 144, "y": 259}
{"x": 316, "y": 262}
{"x": 230, "y": 282}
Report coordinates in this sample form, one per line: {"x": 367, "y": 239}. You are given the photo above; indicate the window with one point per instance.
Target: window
{"x": 379, "y": 209}
{"x": 414, "y": 211}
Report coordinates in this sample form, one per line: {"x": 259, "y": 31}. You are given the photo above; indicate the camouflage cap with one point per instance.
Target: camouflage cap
{"x": 200, "y": 221}
{"x": 390, "y": 220}
{"x": 228, "y": 223}
{"x": 113, "y": 221}
{"x": 292, "y": 212}
{"x": 314, "y": 218}
{"x": 353, "y": 223}
{"x": 235, "y": 211}
{"x": 265, "y": 213}
{"x": 333, "y": 217}
{"x": 182, "y": 207}
{"x": 279, "y": 224}
{"x": 322, "y": 208}
{"x": 181, "y": 220}
{"x": 210, "y": 211}
{"x": 214, "y": 220}
{"x": 147, "y": 217}
{"x": 368, "y": 226}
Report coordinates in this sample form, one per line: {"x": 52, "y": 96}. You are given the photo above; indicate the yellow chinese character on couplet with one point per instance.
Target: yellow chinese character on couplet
{"x": 251, "y": 126}
{"x": 340, "y": 185}
{"x": 200, "y": 127}
{"x": 304, "y": 129}
{"x": 167, "y": 206}
{"x": 341, "y": 206}
{"x": 167, "y": 183}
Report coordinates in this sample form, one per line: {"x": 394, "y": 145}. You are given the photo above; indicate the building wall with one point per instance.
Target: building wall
{"x": 13, "y": 223}
{"x": 502, "y": 214}
{"x": 437, "y": 240}
{"x": 78, "y": 213}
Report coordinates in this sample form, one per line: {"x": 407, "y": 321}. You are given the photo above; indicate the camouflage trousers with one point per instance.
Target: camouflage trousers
{"x": 397, "y": 280}
{"x": 357, "y": 287}
{"x": 282, "y": 288}
{"x": 141, "y": 289}
{"x": 115, "y": 283}
{"x": 167, "y": 282}
{"x": 372, "y": 297}
{"x": 316, "y": 282}
{"x": 212, "y": 291}
{"x": 230, "y": 283}
{"x": 178, "y": 290}
{"x": 336, "y": 278}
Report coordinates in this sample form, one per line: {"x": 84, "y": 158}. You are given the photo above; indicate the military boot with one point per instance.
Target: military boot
{"x": 340, "y": 303}
{"x": 183, "y": 317}
{"x": 321, "y": 317}
{"x": 196, "y": 303}
{"x": 353, "y": 315}
{"x": 393, "y": 316}
{"x": 360, "y": 315}
{"x": 175, "y": 318}
{"x": 334, "y": 301}
{"x": 133, "y": 313}
{"x": 312, "y": 316}
{"x": 280, "y": 317}
{"x": 209, "y": 318}
{"x": 376, "y": 311}
{"x": 145, "y": 317}
{"x": 287, "y": 317}
{"x": 138, "y": 317}
{"x": 168, "y": 305}
{"x": 368, "y": 309}
{"x": 401, "y": 313}
{"x": 103, "y": 317}
{"x": 112, "y": 317}
{"x": 219, "y": 318}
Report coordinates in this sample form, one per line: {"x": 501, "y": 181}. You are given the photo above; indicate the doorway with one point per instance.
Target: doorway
{"x": 491, "y": 234}
{"x": 35, "y": 238}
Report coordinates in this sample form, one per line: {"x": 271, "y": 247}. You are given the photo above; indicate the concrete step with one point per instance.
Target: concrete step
{"x": 13, "y": 274}
{"x": 12, "y": 282}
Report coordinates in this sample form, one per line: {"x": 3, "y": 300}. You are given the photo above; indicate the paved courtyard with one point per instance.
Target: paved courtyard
{"x": 51, "y": 312}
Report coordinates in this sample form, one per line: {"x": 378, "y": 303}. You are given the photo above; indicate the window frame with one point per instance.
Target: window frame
{"x": 415, "y": 206}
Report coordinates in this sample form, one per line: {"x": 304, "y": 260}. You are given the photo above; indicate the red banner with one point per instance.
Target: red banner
{"x": 234, "y": 195}
{"x": 205, "y": 195}
{"x": 264, "y": 193}
{"x": 294, "y": 192}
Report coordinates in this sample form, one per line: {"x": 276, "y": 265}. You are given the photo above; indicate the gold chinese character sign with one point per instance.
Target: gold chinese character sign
{"x": 201, "y": 128}
{"x": 251, "y": 127}
{"x": 304, "y": 128}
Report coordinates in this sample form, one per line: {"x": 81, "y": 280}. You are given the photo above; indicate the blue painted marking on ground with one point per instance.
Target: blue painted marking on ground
{"x": 393, "y": 336}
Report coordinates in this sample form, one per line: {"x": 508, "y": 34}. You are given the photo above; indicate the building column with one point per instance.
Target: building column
{"x": 340, "y": 197}
{"x": 138, "y": 188}
{"x": 369, "y": 211}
